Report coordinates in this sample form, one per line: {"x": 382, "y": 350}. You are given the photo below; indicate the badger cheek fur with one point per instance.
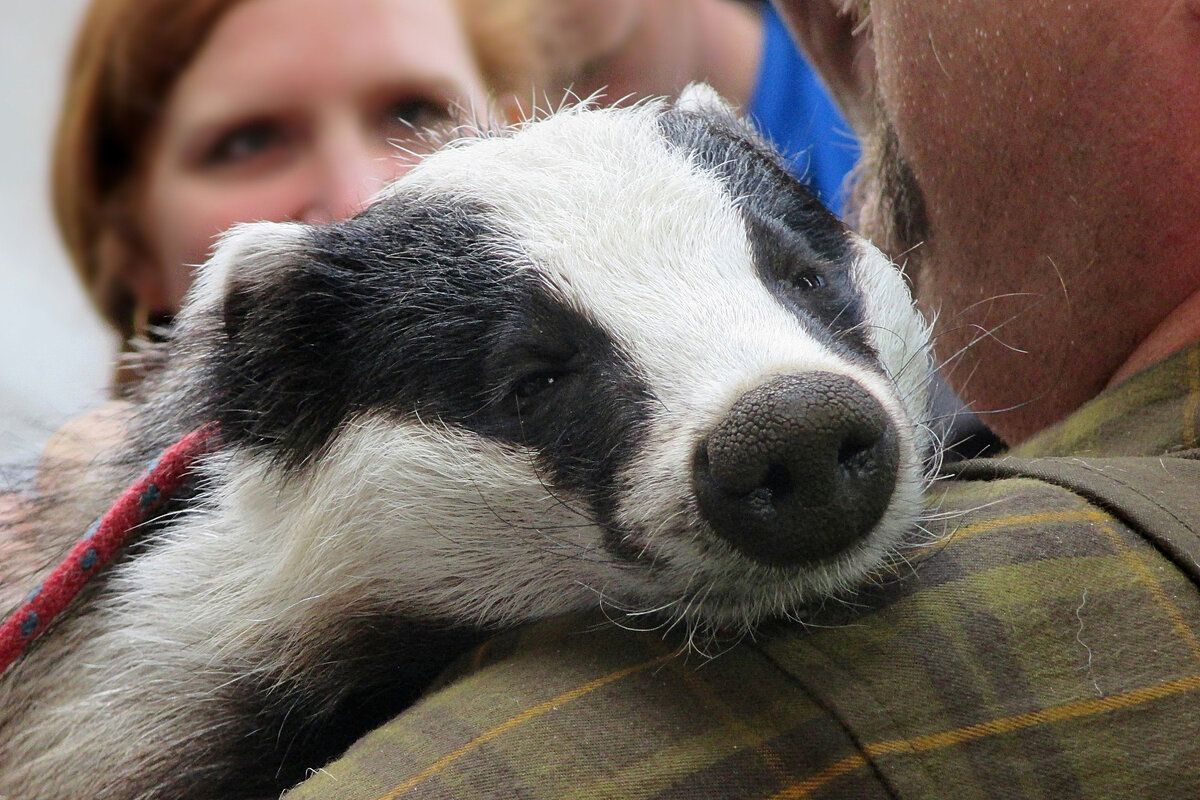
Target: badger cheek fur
{"x": 610, "y": 358}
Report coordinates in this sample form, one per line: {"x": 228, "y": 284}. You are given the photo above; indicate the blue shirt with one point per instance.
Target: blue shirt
{"x": 793, "y": 110}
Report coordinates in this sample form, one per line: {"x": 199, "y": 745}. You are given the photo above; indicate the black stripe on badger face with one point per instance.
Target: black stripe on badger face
{"x": 803, "y": 253}
{"x": 409, "y": 309}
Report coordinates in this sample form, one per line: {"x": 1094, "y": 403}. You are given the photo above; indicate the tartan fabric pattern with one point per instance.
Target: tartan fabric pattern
{"x": 1043, "y": 643}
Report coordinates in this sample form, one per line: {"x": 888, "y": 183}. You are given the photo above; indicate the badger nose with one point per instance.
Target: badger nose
{"x": 800, "y": 469}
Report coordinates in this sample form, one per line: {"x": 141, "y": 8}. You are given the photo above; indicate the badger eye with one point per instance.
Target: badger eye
{"x": 809, "y": 280}
{"x": 537, "y": 383}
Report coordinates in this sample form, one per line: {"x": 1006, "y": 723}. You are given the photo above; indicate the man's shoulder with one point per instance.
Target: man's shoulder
{"x": 1154, "y": 497}
{"x": 1037, "y": 637}
{"x": 1030, "y": 637}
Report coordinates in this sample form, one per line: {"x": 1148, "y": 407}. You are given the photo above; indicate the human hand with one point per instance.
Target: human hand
{"x": 76, "y": 445}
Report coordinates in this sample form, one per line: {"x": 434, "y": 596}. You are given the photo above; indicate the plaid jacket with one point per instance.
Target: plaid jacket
{"x": 1048, "y": 646}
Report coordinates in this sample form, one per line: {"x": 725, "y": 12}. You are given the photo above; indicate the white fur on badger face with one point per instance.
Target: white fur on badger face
{"x": 414, "y": 519}
{"x": 601, "y": 214}
{"x": 653, "y": 247}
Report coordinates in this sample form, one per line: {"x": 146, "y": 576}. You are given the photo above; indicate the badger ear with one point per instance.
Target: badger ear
{"x": 247, "y": 258}
{"x": 700, "y": 98}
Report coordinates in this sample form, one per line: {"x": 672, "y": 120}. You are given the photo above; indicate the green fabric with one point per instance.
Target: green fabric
{"x": 1043, "y": 643}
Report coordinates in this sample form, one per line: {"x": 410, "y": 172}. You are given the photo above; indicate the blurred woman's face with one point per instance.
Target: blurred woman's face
{"x": 294, "y": 110}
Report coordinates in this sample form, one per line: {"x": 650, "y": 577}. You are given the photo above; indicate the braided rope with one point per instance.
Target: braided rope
{"x": 101, "y": 543}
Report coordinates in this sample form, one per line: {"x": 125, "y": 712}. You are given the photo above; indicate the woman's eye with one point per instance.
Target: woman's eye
{"x": 415, "y": 113}
{"x": 244, "y": 143}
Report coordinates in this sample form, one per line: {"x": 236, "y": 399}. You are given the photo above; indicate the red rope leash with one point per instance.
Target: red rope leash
{"x": 101, "y": 543}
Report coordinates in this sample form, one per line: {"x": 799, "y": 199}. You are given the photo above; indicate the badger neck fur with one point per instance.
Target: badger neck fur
{"x": 610, "y": 358}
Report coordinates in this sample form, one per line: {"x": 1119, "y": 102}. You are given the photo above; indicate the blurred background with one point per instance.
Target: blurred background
{"x": 54, "y": 351}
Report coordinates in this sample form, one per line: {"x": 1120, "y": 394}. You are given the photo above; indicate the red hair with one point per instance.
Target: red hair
{"x": 127, "y": 57}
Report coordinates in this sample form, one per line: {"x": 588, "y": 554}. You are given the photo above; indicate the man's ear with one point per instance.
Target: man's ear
{"x": 835, "y": 36}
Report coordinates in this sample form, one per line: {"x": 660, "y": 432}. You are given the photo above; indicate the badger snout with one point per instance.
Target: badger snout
{"x": 800, "y": 469}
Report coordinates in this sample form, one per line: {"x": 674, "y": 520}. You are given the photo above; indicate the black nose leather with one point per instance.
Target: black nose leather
{"x": 799, "y": 469}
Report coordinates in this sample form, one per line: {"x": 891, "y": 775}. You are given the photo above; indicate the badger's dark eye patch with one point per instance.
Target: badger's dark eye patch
{"x": 811, "y": 286}
{"x": 808, "y": 280}
{"x": 537, "y": 385}
{"x": 533, "y": 361}
{"x": 786, "y": 259}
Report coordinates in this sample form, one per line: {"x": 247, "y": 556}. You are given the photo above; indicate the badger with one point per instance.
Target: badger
{"x": 611, "y": 358}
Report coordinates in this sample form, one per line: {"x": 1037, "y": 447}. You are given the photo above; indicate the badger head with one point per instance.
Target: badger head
{"x": 615, "y": 356}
